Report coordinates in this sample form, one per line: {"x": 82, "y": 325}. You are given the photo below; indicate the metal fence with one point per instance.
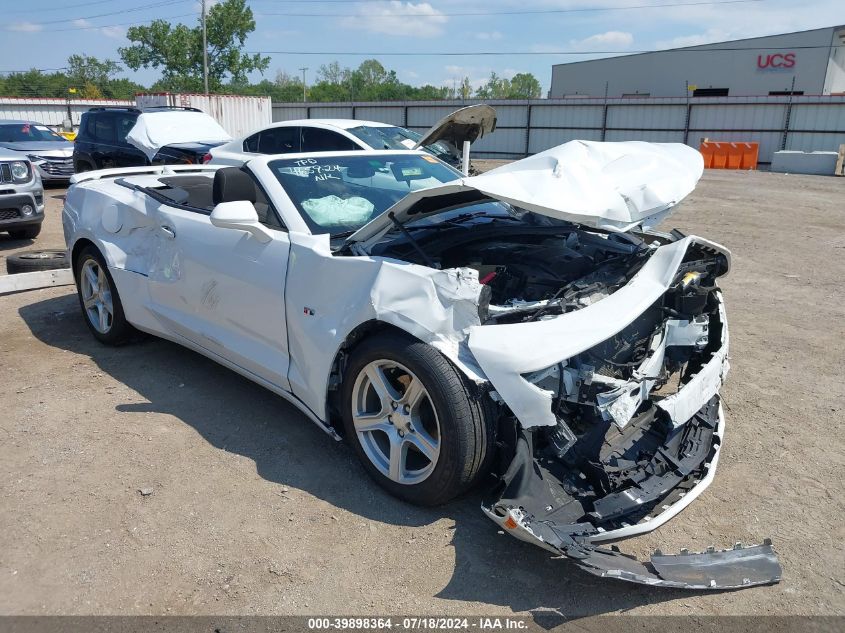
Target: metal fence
{"x": 804, "y": 123}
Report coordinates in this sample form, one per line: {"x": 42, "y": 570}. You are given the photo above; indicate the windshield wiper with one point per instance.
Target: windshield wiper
{"x": 458, "y": 220}
{"x": 428, "y": 261}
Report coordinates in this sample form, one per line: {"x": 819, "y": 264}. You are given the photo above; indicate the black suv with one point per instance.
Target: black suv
{"x": 101, "y": 141}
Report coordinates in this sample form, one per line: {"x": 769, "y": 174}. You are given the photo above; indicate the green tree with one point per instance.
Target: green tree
{"x": 466, "y": 88}
{"x": 284, "y": 88}
{"x": 524, "y": 86}
{"x": 84, "y": 69}
{"x": 371, "y": 82}
{"x": 96, "y": 79}
{"x": 428, "y": 93}
{"x": 495, "y": 88}
{"x": 34, "y": 83}
{"x": 177, "y": 50}
{"x": 122, "y": 88}
{"x": 287, "y": 87}
{"x": 333, "y": 74}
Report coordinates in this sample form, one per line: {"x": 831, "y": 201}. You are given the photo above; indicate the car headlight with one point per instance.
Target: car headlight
{"x": 20, "y": 171}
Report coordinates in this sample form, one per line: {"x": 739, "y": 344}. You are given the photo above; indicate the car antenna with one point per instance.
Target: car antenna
{"x": 429, "y": 262}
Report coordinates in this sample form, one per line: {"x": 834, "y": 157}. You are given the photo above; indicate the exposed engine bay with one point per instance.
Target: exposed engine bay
{"x": 531, "y": 271}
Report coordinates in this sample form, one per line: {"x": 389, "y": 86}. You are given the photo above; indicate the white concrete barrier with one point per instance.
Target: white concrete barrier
{"x": 818, "y": 163}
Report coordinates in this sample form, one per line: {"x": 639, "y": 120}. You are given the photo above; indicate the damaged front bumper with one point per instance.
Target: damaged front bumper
{"x": 637, "y": 455}
{"x": 517, "y": 507}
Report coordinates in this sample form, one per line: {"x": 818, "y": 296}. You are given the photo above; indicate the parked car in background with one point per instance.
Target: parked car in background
{"x": 21, "y": 196}
{"x": 50, "y": 153}
{"x": 444, "y": 140}
{"x": 527, "y": 323}
{"x": 135, "y": 137}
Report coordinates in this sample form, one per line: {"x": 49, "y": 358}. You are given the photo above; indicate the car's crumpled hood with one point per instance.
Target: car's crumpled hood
{"x": 616, "y": 186}
{"x": 43, "y": 148}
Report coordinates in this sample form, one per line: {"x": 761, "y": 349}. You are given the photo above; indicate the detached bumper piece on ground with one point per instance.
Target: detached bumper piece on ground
{"x": 538, "y": 496}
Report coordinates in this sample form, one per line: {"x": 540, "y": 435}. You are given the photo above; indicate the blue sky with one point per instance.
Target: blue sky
{"x": 43, "y": 33}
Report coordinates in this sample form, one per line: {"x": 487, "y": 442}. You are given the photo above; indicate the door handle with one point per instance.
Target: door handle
{"x": 169, "y": 232}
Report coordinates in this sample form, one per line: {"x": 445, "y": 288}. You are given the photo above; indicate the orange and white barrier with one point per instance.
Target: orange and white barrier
{"x": 726, "y": 155}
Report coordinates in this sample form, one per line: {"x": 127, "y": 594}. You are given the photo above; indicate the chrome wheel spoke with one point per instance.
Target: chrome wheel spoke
{"x": 398, "y": 451}
{"x": 91, "y": 275}
{"x": 90, "y": 302}
{"x": 414, "y": 394}
{"x": 381, "y": 384}
{"x": 103, "y": 316}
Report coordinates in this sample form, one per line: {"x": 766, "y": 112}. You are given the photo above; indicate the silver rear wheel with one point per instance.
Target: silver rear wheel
{"x": 96, "y": 295}
{"x": 396, "y": 422}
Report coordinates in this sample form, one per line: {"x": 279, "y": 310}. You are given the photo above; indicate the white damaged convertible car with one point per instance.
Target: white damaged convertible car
{"x": 527, "y": 322}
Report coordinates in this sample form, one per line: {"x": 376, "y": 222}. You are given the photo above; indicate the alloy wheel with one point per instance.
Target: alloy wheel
{"x": 96, "y": 296}
{"x": 396, "y": 422}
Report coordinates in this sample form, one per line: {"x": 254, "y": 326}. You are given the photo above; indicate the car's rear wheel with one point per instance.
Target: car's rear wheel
{"x": 99, "y": 300}
{"x": 416, "y": 423}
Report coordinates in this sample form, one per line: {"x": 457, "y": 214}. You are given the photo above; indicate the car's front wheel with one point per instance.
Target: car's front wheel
{"x": 420, "y": 428}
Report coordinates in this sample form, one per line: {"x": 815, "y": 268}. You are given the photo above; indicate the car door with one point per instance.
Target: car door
{"x": 223, "y": 290}
{"x": 103, "y": 148}
{"x": 127, "y": 155}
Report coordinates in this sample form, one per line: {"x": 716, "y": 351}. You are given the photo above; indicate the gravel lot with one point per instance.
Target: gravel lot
{"x": 252, "y": 509}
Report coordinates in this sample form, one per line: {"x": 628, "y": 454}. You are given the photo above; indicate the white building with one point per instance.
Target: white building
{"x": 814, "y": 60}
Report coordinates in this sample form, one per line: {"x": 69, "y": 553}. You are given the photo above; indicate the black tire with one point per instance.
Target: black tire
{"x": 32, "y": 261}
{"x": 26, "y": 233}
{"x": 120, "y": 331}
{"x": 82, "y": 166}
{"x": 464, "y": 414}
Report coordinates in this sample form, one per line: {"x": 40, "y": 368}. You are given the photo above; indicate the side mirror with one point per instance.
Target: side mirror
{"x": 240, "y": 215}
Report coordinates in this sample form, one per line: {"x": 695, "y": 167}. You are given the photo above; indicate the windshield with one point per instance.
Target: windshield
{"x": 340, "y": 194}
{"x": 27, "y": 133}
{"x": 395, "y": 138}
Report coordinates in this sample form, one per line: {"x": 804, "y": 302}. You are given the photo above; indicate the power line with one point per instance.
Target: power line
{"x": 61, "y": 8}
{"x": 154, "y": 5}
{"x": 89, "y": 27}
{"x": 516, "y": 12}
{"x": 40, "y": 70}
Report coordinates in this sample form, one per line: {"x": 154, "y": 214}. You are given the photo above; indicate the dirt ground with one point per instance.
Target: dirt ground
{"x": 253, "y": 510}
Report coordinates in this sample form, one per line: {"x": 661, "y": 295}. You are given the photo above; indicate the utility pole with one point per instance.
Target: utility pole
{"x": 303, "y": 83}
{"x": 204, "y": 49}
